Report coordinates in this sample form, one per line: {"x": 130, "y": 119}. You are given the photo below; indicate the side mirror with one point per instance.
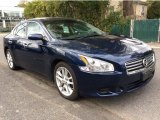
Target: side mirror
{"x": 35, "y": 37}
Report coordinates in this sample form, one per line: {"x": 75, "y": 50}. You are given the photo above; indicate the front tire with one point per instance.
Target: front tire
{"x": 10, "y": 60}
{"x": 66, "y": 82}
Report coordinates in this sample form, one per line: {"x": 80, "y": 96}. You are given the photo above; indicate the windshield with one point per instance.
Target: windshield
{"x": 71, "y": 29}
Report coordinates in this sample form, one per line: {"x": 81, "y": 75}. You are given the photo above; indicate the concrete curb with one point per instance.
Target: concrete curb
{"x": 3, "y": 33}
{"x": 154, "y": 47}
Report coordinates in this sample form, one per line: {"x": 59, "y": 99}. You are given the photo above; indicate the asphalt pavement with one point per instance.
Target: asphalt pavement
{"x": 29, "y": 96}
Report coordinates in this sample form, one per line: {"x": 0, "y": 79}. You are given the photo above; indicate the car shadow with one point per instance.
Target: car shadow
{"x": 128, "y": 97}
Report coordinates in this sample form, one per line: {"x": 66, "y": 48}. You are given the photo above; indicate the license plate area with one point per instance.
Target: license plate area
{"x": 147, "y": 73}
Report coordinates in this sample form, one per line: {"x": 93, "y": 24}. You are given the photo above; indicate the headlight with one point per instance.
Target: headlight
{"x": 95, "y": 65}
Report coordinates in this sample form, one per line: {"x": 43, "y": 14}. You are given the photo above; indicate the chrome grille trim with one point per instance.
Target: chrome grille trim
{"x": 135, "y": 66}
{"x": 135, "y": 61}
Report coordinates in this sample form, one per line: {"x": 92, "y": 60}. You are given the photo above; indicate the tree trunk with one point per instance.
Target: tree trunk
{"x": 128, "y": 8}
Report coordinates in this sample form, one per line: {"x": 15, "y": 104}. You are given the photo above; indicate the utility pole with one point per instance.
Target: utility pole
{"x": 131, "y": 28}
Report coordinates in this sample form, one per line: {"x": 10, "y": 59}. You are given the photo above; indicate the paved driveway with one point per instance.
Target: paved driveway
{"x": 24, "y": 95}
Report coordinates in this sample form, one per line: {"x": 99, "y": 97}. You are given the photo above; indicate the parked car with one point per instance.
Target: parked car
{"x": 80, "y": 58}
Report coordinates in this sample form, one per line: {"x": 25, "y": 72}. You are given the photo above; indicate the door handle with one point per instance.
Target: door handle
{"x": 10, "y": 41}
{"x": 25, "y": 44}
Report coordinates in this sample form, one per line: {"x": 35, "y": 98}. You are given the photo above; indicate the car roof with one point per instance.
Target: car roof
{"x": 43, "y": 19}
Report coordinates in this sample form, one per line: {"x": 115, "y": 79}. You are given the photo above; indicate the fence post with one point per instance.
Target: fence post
{"x": 3, "y": 21}
{"x": 131, "y": 28}
{"x": 159, "y": 32}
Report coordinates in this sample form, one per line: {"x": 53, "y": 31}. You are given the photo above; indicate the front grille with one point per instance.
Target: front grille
{"x": 134, "y": 85}
{"x": 138, "y": 83}
{"x": 138, "y": 65}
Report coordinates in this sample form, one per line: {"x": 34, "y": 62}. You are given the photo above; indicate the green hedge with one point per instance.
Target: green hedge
{"x": 5, "y": 30}
{"x": 121, "y": 30}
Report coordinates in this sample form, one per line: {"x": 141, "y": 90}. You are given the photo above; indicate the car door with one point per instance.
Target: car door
{"x": 19, "y": 34}
{"x": 32, "y": 52}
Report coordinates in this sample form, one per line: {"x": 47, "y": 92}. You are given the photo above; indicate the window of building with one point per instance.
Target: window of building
{"x": 142, "y": 13}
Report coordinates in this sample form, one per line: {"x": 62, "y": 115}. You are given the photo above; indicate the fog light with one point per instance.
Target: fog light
{"x": 104, "y": 91}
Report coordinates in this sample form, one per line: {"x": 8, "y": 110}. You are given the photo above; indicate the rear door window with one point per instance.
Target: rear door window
{"x": 21, "y": 30}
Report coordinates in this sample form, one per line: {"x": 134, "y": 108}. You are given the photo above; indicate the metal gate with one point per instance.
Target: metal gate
{"x": 9, "y": 25}
{"x": 146, "y": 30}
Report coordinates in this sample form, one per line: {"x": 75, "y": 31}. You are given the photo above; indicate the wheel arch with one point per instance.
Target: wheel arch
{"x": 53, "y": 65}
{"x": 69, "y": 59}
{"x": 5, "y": 50}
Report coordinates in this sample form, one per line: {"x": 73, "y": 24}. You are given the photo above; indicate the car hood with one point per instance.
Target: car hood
{"x": 107, "y": 47}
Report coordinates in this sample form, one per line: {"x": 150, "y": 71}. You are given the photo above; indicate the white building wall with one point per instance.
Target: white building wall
{"x": 10, "y": 10}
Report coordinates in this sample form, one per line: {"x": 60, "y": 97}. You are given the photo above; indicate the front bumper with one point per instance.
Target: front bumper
{"x": 111, "y": 84}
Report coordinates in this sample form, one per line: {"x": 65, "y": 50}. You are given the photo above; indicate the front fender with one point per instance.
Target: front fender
{"x": 66, "y": 55}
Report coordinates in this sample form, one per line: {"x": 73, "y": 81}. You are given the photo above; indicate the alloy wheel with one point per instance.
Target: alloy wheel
{"x": 9, "y": 59}
{"x": 64, "y": 81}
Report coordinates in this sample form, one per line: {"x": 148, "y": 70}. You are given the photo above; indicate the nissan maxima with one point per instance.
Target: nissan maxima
{"x": 81, "y": 59}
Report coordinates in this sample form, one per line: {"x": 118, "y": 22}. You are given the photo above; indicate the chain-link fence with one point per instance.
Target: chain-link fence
{"x": 9, "y": 17}
{"x": 9, "y": 25}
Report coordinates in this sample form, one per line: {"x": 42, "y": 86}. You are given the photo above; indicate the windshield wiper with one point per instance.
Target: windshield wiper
{"x": 67, "y": 38}
{"x": 92, "y": 35}
{"x": 81, "y": 37}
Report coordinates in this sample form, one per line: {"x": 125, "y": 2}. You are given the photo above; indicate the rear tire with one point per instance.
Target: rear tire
{"x": 65, "y": 80}
{"x": 10, "y": 60}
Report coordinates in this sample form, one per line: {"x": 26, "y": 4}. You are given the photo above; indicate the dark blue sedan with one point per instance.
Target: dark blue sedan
{"x": 80, "y": 58}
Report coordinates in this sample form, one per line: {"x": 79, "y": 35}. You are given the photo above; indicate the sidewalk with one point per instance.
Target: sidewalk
{"x": 4, "y": 33}
{"x": 154, "y": 45}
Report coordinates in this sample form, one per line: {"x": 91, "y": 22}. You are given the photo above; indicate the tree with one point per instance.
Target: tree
{"x": 35, "y": 9}
{"x": 128, "y": 8}
{"x": 149, "y": 2}
{"x": 90, "y": 11}
{"x": 154, "y": 10}
{"x": 22, "y": 3}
